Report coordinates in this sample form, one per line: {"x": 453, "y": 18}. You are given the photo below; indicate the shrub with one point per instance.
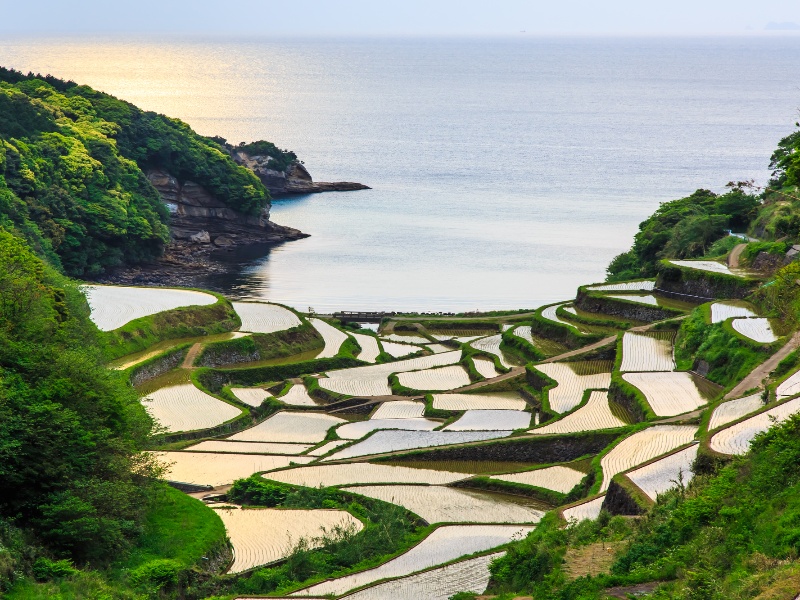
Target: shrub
{"x": 44, "y": 569}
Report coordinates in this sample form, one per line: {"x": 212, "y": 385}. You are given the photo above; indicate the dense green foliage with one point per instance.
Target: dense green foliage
{"x": 685, "y": 228}
{"x": 70, "y": 429}
{"x": 72, "y": 179}
{"x": 785, "y": 162}
{"x": 281, "y": 159}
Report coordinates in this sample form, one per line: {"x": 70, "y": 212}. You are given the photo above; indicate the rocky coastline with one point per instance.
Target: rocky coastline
{"x": 202, "y": 226}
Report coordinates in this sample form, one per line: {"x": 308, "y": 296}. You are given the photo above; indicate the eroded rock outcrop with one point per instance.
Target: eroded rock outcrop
{"x": 296, "y": 179}
{"x": 198, "y": 217}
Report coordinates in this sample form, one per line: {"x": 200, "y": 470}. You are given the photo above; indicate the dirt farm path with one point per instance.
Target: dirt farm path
{"x": 194, "y": 351}
{"x": 733, "y": 257}
{"x": 579, "y": 351}
{"x": 757, "y": 376}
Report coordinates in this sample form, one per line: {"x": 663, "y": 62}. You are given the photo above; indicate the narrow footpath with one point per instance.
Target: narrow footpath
{"x": 756, "y": 378}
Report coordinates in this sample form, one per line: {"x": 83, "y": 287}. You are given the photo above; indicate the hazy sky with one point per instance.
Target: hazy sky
{"x": 380, "y": 17}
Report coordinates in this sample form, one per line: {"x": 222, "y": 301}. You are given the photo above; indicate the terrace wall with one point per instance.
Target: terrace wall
{"x": 598, "y": 303}
{"x": 538, "y": 450}
{"x": 703, "y": 285}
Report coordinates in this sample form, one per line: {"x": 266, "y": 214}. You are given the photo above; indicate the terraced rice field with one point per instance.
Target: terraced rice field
{"x": 438, "y": 348}
{"x": 706, "y": 265}
{"x": 438, "y": 504}
{"x": 650, "y": 351}
{"x": 406, "y": 338}
{"x": 487, "y": 401}
{"x": 361, "y": 474}
{"x": 721, "y": 311}
{"x": 251, "y": 396}
{"x": 399, "y": 409}
{"x": 327, "y": 447}
{"x": 374, "y": 379}
{"x": 260, "y": 317}
{"x": 437, "y": 584}
{"x": 668, "y": 394}
{"x": 524, "y": 332}
{"x": 298, "y": 428}
{"x": 206, "y": 468}
{"x": 450, "y": 334}
{"x": 758, "y": 330}
{"x": 595, "y": 414}
{"x": 491, "y": 344}
{"x": 643, "y": 446}
{"x": 664, "y": 474}
{"x": 298, "y": 396}
{"x": 399, "y": 350}
{"x": 573, "y": 380}
{"x": 358, "y": 429}
{"x": 392, "y": 441}
{"x": 736, "y": 438}
{"x": 185, "y": 408}
{"x": 587, "y": 510}
{"x": 557, "y": 478}
{"x": 333, "y": 337}
{"x": 113, "y": 306}
{"x": 443, "y": 545}
{"x": 442, "y": 378}
{"x": 789, "y": 386}
{"x": 369, "y": 347}
{"x": 485, "y": 367}
{"x": 734, "y": 409}
{"x": 549, "y": 313}
{"x": 627, "y": 286}
{"x": 248, "y": 447}
{"x": 491, "y": 420}
{"x": 264, "y": 535}
{"x": 648, "y": 299}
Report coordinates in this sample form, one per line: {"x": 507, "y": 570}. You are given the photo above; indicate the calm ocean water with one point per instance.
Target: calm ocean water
{"x": 506, "y": 171}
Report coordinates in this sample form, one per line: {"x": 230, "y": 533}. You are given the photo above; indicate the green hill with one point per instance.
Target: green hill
{"x": 71, "y": 173}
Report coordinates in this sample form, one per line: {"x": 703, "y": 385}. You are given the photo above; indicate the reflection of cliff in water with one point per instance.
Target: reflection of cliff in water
{"x": 245, "y": 275}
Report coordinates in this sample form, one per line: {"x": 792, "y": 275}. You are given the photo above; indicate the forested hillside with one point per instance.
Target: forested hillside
{"x": 71, "y": 472}
{"x": 71, "y": 173}
{"x": 696, "y": 226}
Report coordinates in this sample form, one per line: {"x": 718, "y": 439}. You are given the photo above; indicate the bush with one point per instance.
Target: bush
{"x": 44, "y": 569}
{"x": 158, "y": 573}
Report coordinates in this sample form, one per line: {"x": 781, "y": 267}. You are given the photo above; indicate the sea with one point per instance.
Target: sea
{"x": 505, "y": 171}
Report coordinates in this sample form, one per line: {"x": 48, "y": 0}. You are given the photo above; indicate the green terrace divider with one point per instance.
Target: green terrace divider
{"x": 630, "y": 398}
{"x": 216, "y": 379}
{"x": 157, "y": 365}
{"x": 320, "y": 393}
{"x": 598, "y": 302}
{"x": 187, "y": 321}
{"x": 569, "y": 335}
{"x": 563, "y": 313}
{"x": 542, "y": 383}
{"x": 523, "y": 347}
{"x": 707, "y": 285}
{"x": 480, "y": 482}
{"x": 261, "y": 346}
{"x": 543, "y": 449}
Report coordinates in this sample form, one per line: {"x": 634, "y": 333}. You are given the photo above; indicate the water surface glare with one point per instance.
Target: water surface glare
{"x": 506, "y": 171}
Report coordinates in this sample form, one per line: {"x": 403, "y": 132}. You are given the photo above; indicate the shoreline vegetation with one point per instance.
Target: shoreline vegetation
{"x": 585, "y": 426}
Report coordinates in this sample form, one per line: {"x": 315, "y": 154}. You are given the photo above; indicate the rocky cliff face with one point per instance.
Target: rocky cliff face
{"x": 296, "y": 179}
{"x": 200, "y": 218}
